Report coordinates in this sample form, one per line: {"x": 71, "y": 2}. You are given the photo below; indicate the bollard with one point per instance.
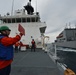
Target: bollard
{"x": 69, "y": 72}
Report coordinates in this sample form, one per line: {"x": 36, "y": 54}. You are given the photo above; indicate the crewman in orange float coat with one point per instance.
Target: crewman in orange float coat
{"x": 6, "y": 49}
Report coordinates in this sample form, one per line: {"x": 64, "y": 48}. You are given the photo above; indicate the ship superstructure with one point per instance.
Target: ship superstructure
{"x": 67, "y": 38}
{"x": 30, "y": 21}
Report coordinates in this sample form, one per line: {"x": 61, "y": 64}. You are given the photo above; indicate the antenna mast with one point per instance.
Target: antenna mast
{"x": 75, "y": 25}
{"x": 36, "y": 5}
{"x": 12, "y": 7}
{"x": 69, "y": 24}
{"x": 66, "y": 26}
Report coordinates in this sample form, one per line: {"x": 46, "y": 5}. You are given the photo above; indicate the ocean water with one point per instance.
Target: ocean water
{"x": 66, "y": 56}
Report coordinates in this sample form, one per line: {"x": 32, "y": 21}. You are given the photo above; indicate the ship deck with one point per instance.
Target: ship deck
{"x": 33, "y": 63}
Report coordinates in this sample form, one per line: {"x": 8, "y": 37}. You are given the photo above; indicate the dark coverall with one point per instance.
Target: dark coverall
{"x": 33, "y": 45}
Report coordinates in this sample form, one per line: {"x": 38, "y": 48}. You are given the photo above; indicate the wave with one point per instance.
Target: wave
{"x": 67, "y": 49}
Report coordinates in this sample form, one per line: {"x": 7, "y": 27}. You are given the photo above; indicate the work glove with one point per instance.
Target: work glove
{"x": 21, "y": 34}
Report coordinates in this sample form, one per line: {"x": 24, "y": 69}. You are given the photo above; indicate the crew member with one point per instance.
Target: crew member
{"x": 17, "y": 46}
{"x": 6, "y": 49}
{"x": 33, "y": 45}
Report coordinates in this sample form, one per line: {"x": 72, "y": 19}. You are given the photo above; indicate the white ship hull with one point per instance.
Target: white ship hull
{"x": 68, "y": 44}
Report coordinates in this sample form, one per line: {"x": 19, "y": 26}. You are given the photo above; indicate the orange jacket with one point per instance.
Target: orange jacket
{"x": 7, "y": 41}
{"x": 33, "y": 42}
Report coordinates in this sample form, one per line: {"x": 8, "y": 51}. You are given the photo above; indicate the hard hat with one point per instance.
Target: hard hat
{"x": 3, "y": 28}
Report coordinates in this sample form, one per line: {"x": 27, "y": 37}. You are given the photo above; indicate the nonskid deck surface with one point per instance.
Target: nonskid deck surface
{"x": 33, "y": 63}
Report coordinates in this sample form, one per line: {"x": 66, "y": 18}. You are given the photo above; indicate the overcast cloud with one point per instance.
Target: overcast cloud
{"x": 56, "y": 13}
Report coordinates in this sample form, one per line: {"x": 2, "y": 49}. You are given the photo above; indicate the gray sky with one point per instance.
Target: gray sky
{"x": 56, "y": 13}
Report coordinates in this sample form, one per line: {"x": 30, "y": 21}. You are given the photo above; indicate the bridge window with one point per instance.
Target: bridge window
{"x": 13, "y": 20}
{"x": 8, "y": 20}
{"x": 28, "y": 19}
{"x": 4, "y": 21}
{"x": 18, "y": 20}
{"x": 37, "y": 19}
{"x": 32, "y": 19}
{"x": 23, "y": 20}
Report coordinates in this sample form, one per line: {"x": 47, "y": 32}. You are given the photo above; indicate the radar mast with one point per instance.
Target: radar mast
{"x": 29, "y": 8}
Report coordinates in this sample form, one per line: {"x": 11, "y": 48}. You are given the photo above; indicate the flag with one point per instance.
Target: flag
{"x": 21, "y": 29}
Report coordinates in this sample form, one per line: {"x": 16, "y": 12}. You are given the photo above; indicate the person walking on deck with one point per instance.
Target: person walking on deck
{"x": 6, "y": 49}
{"x": 33, "y": 45}
{"x": 20, "y": 44}
{"x": 17, "y": 46}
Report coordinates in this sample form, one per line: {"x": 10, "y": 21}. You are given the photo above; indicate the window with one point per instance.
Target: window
{"x": 23, "y": 20}
{"x": 5, "y": 21}
{"x": 13, "y": 20}
{"x": 28, "y": 19}
{"x": 18, "y": 20}
{"x": 33, "y": 19}
{"x": 8, "y": 20}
